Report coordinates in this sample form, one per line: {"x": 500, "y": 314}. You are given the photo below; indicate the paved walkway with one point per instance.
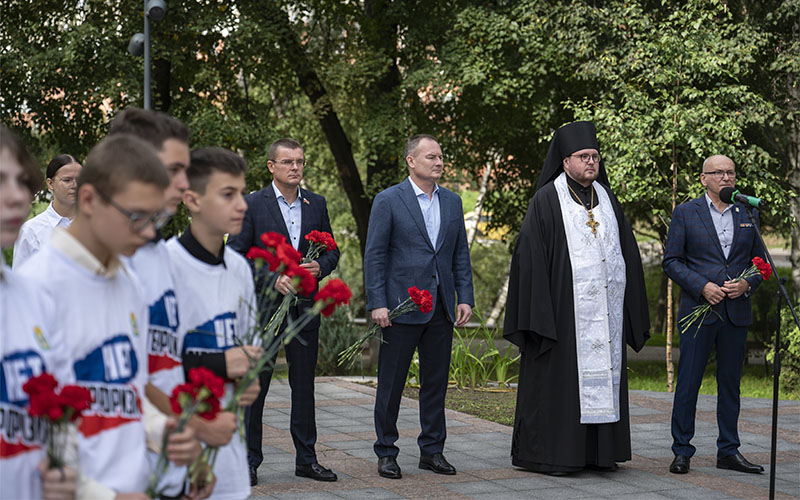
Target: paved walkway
{"x": 480, "y": 451}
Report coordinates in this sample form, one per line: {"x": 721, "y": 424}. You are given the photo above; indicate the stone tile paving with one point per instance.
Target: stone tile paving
{"x": 480, "y": 451}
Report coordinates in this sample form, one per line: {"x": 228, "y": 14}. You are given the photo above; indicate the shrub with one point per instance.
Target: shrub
{"x": 336, "y": 333}
{"x": 790, "y": 351}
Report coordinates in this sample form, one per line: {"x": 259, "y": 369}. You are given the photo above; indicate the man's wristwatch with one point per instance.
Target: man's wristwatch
{"x": 747, "y": 293}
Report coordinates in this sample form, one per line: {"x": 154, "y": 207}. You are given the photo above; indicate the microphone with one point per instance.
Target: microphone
{"x": 729, "y": 195}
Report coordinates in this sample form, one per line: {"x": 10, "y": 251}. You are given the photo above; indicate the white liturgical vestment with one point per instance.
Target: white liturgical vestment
{"x": 598, "y": 285}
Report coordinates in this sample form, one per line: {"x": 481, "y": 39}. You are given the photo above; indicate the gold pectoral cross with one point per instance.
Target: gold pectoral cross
{"x": 592, "y": 223}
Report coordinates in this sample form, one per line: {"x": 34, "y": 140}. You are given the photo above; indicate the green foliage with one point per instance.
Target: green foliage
{"x": 790, "y": 353}
{"x": 490, "y": 260}
{"x": 672, "y": 94}
{"x": 475, "y": 360}
{"x": 336, "y": 333}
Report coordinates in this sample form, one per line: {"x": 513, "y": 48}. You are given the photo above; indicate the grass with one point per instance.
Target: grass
{"x": 498, "y": 405}
{"x": 756, "y": 383}
{"x": 494, "y": 405}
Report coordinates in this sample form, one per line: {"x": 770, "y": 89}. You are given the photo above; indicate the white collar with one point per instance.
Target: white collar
{"x": 54, "y": 216}
{"x": 74, "y": 249}
{"x": 279, "y": 195}
{"x": 418, "y": 191}
{"x": 710, "y": 203}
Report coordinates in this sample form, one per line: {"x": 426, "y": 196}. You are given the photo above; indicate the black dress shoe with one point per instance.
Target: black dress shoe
{"x": 315, "y": 471}
{"x": 387, "y": 467}
{"x": 738, "y": 463}
{"x": 437, "y": 464}
{"x": 680, "y": 464}
{"x": 253, "y": 476}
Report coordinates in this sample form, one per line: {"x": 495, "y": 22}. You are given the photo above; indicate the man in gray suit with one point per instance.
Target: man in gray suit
{"x": 416, "y": 237}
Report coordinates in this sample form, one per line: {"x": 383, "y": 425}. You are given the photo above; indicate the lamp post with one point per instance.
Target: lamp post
{"x": 139, "y": 43}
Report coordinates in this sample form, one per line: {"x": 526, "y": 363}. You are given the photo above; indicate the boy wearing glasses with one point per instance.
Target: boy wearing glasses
{"x": 170, "y": 139}
{"x": 214, "y": 289}
{"x": 708, "y": 243}
{"x": 101, "y": 313}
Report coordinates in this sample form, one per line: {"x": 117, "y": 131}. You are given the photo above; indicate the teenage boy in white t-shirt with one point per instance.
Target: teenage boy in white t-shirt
{"x": 170, "y": 138}
{"x": 214, "y": 287}
{"x": 101, "y": 312}
{"x": 25, "y": 325}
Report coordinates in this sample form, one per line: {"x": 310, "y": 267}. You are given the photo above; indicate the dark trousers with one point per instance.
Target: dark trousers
{"x": 434, "y": 340}
{"x": 729, "y": 342}
{"x": 302, "y": 360}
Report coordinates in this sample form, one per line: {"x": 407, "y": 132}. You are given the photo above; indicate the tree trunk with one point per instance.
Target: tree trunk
{"x": 500, "y": 303}
{"x": 161, "y": 75}
{"x": 472, "y": 230}
{"x": 670, "y": 308}
{"x": 385, "y": 166}
{"x": 337, "y": 140}
{"x": 794, "y": 181}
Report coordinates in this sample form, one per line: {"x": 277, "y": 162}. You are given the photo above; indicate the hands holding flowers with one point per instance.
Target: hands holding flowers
{"x": 714, "y": 294}
{"x": 418, "y": 300}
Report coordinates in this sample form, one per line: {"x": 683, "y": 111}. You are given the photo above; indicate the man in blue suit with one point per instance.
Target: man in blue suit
{"x": 283, "y": 207}
{"x": 709, "y": 243}
{"x": 416, "y": 237}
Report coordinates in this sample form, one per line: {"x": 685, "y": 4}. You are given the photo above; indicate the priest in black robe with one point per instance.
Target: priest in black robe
{"x": 540, "y": 316}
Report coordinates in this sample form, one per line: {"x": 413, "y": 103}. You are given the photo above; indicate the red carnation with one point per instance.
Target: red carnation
{"x": 287, "y": 254}
{"x": 43, "y": 401}
{"x": 273, "y": 240}
{"x": 211, "y": 410}
{"x": 259, "y": 253}
{"x": 334, "y": 293}
{"x": 75, "y": 397}
{"x": 40, "y": 384}
{"x": 182, "y": 396}
{"x": 203, "y": 377}
{"x": 305, "y": 283}
{"x": 763, "y": 267}
{"x": 422, "y": 298}
{"x": 322, "y": 238}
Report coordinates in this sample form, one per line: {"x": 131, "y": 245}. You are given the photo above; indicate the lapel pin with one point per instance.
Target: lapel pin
{"x": 307, "y": 203}
{"x": 737, "y": 210}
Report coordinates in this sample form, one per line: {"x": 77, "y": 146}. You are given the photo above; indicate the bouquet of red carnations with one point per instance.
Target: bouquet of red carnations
{"x": 283, "y": 259}
{"x": 699, "y": 313}
{"x": 200, "y": 396}
{"x": 418, "y": 300}
{"x": 59, "y": 409}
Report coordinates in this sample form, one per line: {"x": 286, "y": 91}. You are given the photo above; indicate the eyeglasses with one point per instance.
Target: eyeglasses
{"x": 138, "y": 221}
{"x": 721, "y": 173}
{"x": 289, "y": 163}
{"x": 586, "y": 156}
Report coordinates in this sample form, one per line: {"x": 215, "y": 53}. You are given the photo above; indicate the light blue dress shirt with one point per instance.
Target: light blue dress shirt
{"x": 292, "y": 215}
{"x": 723, "y": 224}
{"x": 431, "y": 213}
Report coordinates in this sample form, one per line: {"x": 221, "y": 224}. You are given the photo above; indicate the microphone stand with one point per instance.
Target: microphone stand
{"x": 776, "y": 362}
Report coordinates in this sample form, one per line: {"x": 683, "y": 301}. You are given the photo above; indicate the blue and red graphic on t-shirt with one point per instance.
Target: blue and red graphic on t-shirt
{"x": 162, "y": 335}
{"x": 107, "y": 372}
{"x": 214, "y": 335}
{"x": 19, "y": 432}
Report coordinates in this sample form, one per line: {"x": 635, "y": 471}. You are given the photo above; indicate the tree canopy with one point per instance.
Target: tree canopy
{"x": 668, "y": 83}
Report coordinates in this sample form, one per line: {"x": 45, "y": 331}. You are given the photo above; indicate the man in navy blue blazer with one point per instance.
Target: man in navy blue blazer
{"x": 416, "y": 237}
{"x": 709, "y": 244}
{"x": 284, "y": 207}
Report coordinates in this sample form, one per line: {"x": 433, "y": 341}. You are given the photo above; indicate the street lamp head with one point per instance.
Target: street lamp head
{"x": 156, "y": 9}
{"x": 136, "y": 44}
